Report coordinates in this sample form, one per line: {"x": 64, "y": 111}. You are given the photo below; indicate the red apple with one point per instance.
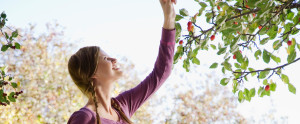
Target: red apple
{"x": 180, "y": 42}
{"x": 267, "y": 88}
{"x": 190, "y": 26}
{"x": 212, "y": 37}
{"x": 289, "y": 43}
{"x": 247, "y": 6}
{"x": 234, "y": 56}
{"x": 235, "y": 23}
{"x": 253, "y": 15}
{"x": 259, "y": 27}
{"x": 218, "y": 7}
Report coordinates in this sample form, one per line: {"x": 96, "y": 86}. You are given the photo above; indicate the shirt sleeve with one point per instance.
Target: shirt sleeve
{"x": 132, "y": 99}
{"x": 79, "y": 117}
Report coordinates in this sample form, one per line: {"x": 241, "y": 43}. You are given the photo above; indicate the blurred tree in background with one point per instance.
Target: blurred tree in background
{"x": 41, "y": 67}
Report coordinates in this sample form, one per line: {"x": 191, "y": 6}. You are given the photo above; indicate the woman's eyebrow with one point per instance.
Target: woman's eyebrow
{"x": 105, "y": 56}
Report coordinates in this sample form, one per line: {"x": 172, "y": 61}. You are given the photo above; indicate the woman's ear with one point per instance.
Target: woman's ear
{"x": 93, "y": 79}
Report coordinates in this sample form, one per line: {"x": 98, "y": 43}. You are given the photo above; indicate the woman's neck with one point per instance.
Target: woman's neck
{"x": 103, "y": 97}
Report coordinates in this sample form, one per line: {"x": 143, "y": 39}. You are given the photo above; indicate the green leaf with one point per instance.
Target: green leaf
{"x": 6, "y": 35}
{"x": 257, "y": 53}
{"x": 260, "y": 90}
{"x": 196, "y": 61}
{"x": 227, "y": 66}
{"x": 252, "y": 92}
{"x": 277, "y": 44}
{"x": 17, "y": 45}
{"x": 10, "y": 78}
{"x": 1, "y": 96}
{"x": 264, "y": 41}
{"x": 3, "y": 15}
{"x": 272, "y": 32}
{"x": 222, "y": 50}
{"x": 266, "y": 56}
{"x": 208, "y": 16}
{"x": 4, "y": 48}
{"x": 186, "y": 64}
{"x": 176, "y": 57}
{"x": 272, "y": 86}
{"x": 239, "y": 57}
{"x": 178, "y": 17}
{"x": 178, "y": 30}
{"x": 213, "y": 46}
{"x": 291, "y": 57}
{"x": 202, "y": 4}
{"x": 292, "y": 89}
{"x": 247, "y": 95}
{"x": 15, "y": 34}
{"x": 290, "y": 15}
{"x": 195, "y": 52}
{"x": 245, "y": 63}
{"x": 285, "y": 78}
{"x": 223, "y": 70}
{"x": 183, "y": 12}
{"x": 235, "y": 84}
{"x": 214, "y": 65}
{"x": 11, "y": 98}
{"x": 237, "y": 65}
{"x": 224, "y": 81}
{"x": 241, "y": 96}
{"x": 265, "y": 82}
{"x": 276, "y": 59}
{"x": 14, "y": 85}
{"x": 263, "y": 74}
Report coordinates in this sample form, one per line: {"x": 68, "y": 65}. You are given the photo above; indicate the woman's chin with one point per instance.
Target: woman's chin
{"x": 118, "y": 73}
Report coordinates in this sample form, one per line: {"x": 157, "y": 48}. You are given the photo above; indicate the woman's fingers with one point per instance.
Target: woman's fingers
{"x": 167, "y": 1}
{"x": 174, "y": 1}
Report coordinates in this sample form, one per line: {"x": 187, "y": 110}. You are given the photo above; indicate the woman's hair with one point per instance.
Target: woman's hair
{"x": 82, "y": 66}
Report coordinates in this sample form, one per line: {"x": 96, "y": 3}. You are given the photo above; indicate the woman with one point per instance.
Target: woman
{"x": 94, "y": 73}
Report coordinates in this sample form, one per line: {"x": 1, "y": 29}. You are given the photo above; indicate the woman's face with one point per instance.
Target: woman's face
{"x": 107, "y": 68}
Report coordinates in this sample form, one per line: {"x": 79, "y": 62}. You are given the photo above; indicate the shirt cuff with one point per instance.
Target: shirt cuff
{"x": 168, "y": 36}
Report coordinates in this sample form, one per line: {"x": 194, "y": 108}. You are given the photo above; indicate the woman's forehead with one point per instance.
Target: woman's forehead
{"x": 102, "y": 53}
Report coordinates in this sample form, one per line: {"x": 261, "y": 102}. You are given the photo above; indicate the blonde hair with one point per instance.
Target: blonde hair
{"x": 82, "y": 66}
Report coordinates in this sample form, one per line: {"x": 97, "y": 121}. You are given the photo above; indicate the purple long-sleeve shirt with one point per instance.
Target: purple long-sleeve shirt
{"x": 132, "y": 99}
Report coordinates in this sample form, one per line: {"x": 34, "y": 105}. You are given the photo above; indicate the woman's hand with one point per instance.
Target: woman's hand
{"x": 169, "y": 13}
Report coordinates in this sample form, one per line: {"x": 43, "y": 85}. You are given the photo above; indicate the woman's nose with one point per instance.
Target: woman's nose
{"x": 114, "y": 60}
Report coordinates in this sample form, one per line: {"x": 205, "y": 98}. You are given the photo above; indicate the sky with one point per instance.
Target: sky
{"x": 132, "y": 28}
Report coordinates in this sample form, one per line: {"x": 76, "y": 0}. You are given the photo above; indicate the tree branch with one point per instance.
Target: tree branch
{"x": 269, "y": 69}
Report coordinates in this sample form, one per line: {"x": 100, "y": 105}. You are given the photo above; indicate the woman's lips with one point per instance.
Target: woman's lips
{"x": 115, "y": 67}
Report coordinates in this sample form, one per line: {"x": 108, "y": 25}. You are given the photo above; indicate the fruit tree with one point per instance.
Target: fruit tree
{"x": 243, "y": 25}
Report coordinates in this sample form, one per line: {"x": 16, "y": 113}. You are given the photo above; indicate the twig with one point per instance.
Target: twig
{"x": 269, "y": 68}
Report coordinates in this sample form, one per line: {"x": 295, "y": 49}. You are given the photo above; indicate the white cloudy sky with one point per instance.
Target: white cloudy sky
{"x": 132, "y": 28}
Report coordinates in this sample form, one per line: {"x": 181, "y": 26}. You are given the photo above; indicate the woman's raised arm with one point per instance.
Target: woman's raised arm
{"x": 132, "y": 99}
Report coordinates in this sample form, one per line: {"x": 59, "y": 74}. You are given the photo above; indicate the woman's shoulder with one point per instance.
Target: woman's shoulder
{"x": 81, "y": 116}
